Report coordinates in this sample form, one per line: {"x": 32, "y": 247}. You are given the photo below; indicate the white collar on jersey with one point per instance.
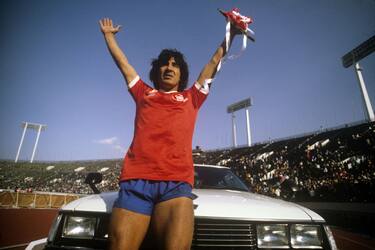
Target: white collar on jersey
{"x": 168, "y": 92}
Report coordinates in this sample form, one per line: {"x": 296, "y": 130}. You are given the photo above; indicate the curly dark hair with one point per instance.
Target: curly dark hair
{"x": 163, "y": 59}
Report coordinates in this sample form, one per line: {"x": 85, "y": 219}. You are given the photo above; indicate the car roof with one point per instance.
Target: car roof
{"x": 210, "y": 166}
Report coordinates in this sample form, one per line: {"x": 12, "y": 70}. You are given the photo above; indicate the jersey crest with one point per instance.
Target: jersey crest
{"x": 179, "y": 98}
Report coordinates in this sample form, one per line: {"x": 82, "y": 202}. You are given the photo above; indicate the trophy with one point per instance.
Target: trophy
{"x": 240, "y": 22}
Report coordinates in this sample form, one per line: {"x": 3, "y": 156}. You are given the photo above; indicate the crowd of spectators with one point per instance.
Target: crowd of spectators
{"x": 334, "y": 165}
{"x": 59, "y": 177}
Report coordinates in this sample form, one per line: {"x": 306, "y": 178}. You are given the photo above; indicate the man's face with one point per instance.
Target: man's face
{"x": 170, "y": 76}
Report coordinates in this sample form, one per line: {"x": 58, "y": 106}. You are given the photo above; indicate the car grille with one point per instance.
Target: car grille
{"x": 223, "y": 234}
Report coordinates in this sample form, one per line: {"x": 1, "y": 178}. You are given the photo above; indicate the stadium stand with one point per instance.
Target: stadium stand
{"x": 59, "y": 177}
{"x": 335, "y": 165}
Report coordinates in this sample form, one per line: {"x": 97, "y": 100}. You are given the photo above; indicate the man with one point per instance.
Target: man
{"x": 158, "y": 173}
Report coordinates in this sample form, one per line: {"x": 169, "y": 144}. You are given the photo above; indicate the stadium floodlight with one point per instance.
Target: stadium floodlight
{"x": 25, "y": 126}
{"x": 244, "y": 104}
{"x": 353, "y": 58}
{"x": 239, "y": 105}
{"x": 360, "y": 52}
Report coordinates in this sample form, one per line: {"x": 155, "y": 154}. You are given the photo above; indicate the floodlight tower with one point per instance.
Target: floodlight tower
{"x": 353, "y": 58}
{"x": 244, "y": 104}
{"x": 36, "y": 126}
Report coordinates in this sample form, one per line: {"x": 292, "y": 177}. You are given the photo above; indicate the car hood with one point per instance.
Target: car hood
{"x": 220, "y": 204}
{"x": 232, "y": 204}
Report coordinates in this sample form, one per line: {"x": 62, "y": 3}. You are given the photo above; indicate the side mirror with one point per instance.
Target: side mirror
{"x": 92, "y": 179}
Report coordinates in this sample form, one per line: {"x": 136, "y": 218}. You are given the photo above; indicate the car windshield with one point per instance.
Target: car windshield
{"x": 217, "y": 178}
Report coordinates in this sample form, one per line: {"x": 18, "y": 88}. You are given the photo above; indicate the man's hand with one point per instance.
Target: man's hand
{"x": 234, "y": 30}
{"x": 118, "y": 55}
{"x": 106, "y": 26}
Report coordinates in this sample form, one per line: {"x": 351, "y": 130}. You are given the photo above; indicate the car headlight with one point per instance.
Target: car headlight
{"x": 79, "y": 227}
{"x": 272, "y": 236}
{"x": 306, "y": 236}
{"x": 283, "y": 236}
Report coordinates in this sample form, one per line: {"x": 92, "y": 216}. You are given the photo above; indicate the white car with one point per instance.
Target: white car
{"x": 227, "y": 216}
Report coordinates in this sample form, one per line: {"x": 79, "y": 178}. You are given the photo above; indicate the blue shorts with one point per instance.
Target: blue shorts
{"x": 141, "y": 196}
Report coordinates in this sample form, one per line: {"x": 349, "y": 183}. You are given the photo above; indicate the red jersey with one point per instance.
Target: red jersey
{"x": 163, "y": 132}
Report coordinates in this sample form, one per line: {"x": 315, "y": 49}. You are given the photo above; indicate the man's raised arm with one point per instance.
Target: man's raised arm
{"x": 118, "y": 56}
{"x": 210, "y": 69}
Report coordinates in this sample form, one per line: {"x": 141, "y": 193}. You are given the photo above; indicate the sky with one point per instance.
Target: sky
{"x": 55, "y": 70}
